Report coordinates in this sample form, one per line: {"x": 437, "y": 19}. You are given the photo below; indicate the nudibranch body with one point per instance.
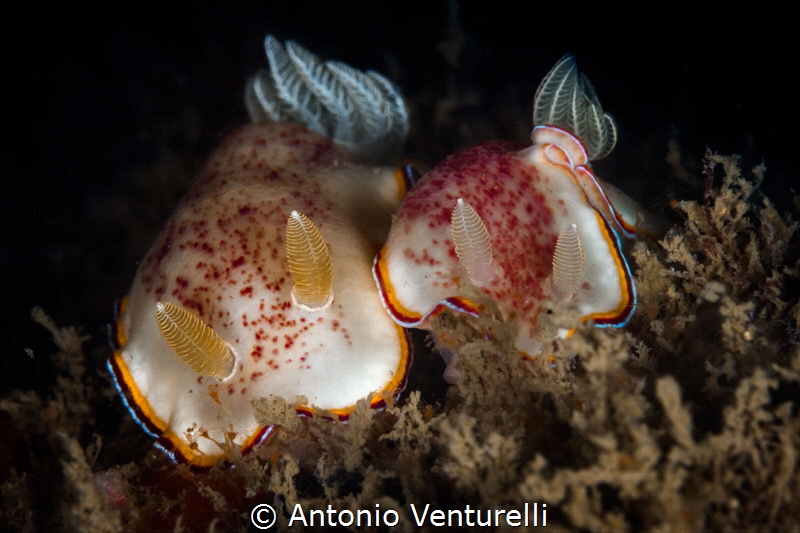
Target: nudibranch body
{"x": 552, "y": 231}
{"x": 260, "y": 284}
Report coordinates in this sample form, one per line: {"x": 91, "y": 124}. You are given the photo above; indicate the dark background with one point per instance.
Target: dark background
{"x": 102, "y": 108}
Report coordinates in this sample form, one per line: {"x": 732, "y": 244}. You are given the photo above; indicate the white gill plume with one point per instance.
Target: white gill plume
{"x": 566, "y": 99}
{"x": 361, "y": 110}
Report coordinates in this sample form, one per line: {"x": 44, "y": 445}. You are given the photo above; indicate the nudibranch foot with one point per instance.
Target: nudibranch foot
{"x": 242, "y": 296}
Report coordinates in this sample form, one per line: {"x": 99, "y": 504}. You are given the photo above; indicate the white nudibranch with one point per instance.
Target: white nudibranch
{"x": 193, "y": 342}
{"x": 472, "y": 243}
{"x": 241, "y": 285}
{"x": 309, "y": 264}
{"x": 553, "y": 228}
{"x": 569, "y": 263}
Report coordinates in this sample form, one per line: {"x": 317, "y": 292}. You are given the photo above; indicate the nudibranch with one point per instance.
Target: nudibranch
{"x": 260, "y": 284}
{"x": 520, "y": 225}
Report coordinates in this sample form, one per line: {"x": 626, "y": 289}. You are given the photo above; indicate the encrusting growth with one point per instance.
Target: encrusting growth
{"x": 196, "y": 344}
{"x": 309, "y": 264}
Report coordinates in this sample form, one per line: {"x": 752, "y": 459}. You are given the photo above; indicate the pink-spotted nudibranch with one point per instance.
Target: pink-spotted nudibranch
{"x": 260, "y": 284}
{"x": 518, "y": 224}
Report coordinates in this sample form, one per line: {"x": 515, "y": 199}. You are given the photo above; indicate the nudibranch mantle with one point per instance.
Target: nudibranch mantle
{"x": 526, "y": 199}
{"x": 260, "y": 284}
{"x": 222, "y": 257}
